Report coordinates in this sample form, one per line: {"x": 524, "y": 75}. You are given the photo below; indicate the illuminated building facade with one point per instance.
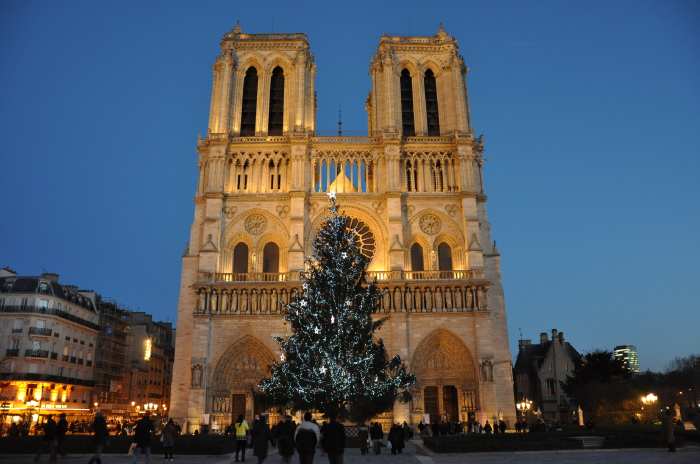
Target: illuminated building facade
{"x": 146, "y": 381}
{"x": 48, "y": 335}
{"x": 414, "y": 188}
{"x": 629, "y": 357}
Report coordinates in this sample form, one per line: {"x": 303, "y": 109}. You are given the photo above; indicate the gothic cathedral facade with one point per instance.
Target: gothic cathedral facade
{"x": 414, "y": 188}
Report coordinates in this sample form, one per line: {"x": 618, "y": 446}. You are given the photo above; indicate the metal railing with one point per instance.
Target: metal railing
{"x": 36, "y": 353}
{"x": 51, "y": 312}
{"x": 12, "y": 352}
{"x": 40, "y": 331}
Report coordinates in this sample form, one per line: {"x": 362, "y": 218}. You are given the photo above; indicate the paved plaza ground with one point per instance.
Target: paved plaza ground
{"x": 417, "y": 455}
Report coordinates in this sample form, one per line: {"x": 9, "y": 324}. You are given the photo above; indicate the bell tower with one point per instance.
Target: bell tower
{"x": 418, "y": 87}
{"x": 263, "y": 84}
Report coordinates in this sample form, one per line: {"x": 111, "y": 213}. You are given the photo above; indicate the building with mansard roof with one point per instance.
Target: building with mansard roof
{"x": 414, "y": 188}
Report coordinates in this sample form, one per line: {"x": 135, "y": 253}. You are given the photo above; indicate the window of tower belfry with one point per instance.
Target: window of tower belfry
{"x": 275, "y": 124}
{"x": 407, "y": 120}
{"x": 250, "y": 102}
{"x": 431, "y": 103}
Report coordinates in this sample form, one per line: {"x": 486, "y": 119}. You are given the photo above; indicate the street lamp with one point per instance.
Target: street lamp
{"x": 524, "y": 406}
{"x": 649, "y": 399}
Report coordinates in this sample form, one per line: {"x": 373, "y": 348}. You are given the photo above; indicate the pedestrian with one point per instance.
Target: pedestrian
{"x": 363, "y": 435}
{"x": 502, "y": 427}
{"x": 377, "y": 435}
{"x": 142, "y": 438}
{"x": 99, "y": 437}
{"x": 261, "y": 437}
{"x": 49, "y": 442}
{"x": 487, "y": 428}
{"x": 396, "y": 439}
{"x": 241, "y": 428}
{"x": 334, "y": 439}
{"x": 285, "y": 439}
{"x": 407, "y": 431}
{"x": 61, "y": 430}
{"x": 306, "y": 437}
{"x": 669, "y": 433}
{"x": 168, "y": 438}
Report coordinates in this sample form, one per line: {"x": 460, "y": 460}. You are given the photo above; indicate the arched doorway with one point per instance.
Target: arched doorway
{"x": 234, "y": 381}
{"x": 446, "y": 387}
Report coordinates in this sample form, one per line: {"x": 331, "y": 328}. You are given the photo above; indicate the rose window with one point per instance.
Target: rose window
{"x": 364, "y": 237}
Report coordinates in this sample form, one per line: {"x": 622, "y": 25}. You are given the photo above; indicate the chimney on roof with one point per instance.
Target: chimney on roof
{"x": 50, "y": 276}
{"x": 543, "y": 337}
{"x": 561, "y": 337}
{"x": 554, "y": 334}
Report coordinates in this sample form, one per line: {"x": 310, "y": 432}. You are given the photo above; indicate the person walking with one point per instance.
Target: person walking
{"x": 487, "y": 428}
{"x": 142, "y": 438}
{"x": 363, "y": 435}
{"x": 99, "y": 437}
{"x": 168, "y": 438}
{"x": 49, "y": 443}
{"x": 61, "y": 430}
{"x": 285, "y": 439}
{"x": 306, "y": 437}
{"x": 669, "y": 432}
{"x": 241, "y": 430}
{"x": 396, "y": 439}
{"x": 333, "y": 440}
{"x": 261, "y": 438}
{"x": 377, "y": 435}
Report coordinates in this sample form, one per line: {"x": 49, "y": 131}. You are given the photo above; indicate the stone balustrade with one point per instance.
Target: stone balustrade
{"x": 229, "y": 294}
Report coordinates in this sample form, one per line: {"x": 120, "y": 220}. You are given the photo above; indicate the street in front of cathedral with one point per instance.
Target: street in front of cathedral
{"x": 414, "y": 455}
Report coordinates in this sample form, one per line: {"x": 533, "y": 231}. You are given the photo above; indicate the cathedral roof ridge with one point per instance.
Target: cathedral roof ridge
{"x": 237, "y": 35}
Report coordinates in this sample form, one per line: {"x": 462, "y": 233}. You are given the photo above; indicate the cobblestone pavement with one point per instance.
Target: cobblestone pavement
{"x": 420, "y": 456}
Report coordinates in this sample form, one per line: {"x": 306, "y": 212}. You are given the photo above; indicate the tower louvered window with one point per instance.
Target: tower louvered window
{"x": 431, "y": 103}
{"x": 276, "y": 102}
{"x": 250, "y": 102}
{"x": 407, "y": 122}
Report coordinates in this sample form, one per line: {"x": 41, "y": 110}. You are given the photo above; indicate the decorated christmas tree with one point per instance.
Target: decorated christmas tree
{"x": 333, "y": 361}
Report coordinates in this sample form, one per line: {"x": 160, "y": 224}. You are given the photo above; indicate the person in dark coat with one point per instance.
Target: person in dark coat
{"x": 487, "y": 428}
{"x": 306, "y": 437}
{"x": 669, "y": 432}
{"x": 61, "y": 429}
{"x": 363, "y": 435}
{"x": 285, "y": 439}
{"x": 168, "y": 438}
{"x": 502, "y": 427}
{"x": 396, "y": 439}
{"x": 377, "y": 435}
{"x": 49, "y": 443}
{"x": 333, "y": 440}
{"x": 261, "y": 438}
{"x": 99, "y": 437}
{"x": 142, "y": 438}
{"x": 407, "y": 431}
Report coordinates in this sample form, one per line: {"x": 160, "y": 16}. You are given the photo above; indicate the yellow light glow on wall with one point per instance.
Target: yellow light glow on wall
{"x": 147, "y": 346}
{"x": 37, "y": 393}
{"x": 54, "y": 395}
{"x": 21, "y": 392}
{"x": 64, "y": 395}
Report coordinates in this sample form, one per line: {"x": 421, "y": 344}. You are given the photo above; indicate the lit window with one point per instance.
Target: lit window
{"x": 147, "y": 345}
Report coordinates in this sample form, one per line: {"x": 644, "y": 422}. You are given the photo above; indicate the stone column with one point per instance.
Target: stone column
{"x": 420, "y": 115}
{"x": 300, "y": 63}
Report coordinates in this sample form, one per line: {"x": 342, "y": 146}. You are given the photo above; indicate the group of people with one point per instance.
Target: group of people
{"x": 439, "y": 427}
{"x": 290, "y": 438}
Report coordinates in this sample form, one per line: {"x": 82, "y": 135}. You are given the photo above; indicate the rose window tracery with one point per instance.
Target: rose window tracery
{"x": 364, "y": 237}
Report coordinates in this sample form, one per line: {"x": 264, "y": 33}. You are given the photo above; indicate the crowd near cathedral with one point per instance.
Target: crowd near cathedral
{"x": 413, "y": 188}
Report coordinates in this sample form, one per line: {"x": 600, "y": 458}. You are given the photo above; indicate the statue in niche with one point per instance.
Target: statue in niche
{"x": 197, "y": 372}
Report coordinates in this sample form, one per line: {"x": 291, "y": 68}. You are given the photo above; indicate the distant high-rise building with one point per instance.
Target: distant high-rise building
{"x": 628, "y": 355}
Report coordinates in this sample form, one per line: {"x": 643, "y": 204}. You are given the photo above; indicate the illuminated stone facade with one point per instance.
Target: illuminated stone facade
{"x": 414, "y": 188}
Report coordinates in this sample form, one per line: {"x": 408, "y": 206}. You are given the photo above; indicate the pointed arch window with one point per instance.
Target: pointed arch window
{"x": 417, "y": 258}
{"x": 444, "y": 257}
{"x": 431, "y": 103}
{"x": 271, "y": 258}
{"x": 275, "y": 122}
{"x": 240, "y": 258}
{"x": 250, "y": 102}
{"x": 408, "y": 125}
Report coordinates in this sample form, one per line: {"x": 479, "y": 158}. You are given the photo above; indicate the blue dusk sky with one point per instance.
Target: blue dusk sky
{"x": 590, "y": 112}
